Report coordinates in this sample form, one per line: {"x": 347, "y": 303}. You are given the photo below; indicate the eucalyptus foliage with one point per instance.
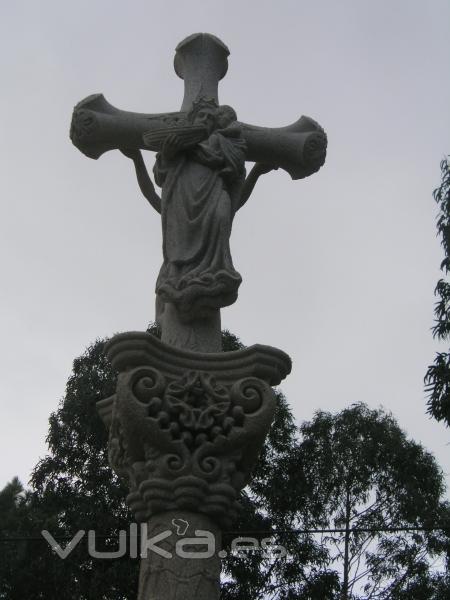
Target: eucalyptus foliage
{"x": 362, "y": 476}
{"x": 437, "y": 378}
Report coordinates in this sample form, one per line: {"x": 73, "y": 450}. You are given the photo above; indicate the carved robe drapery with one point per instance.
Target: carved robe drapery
{"x": 200, "y": 191}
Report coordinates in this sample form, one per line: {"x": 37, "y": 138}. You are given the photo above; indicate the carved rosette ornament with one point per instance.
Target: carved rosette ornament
{"x": 186, "y": 428}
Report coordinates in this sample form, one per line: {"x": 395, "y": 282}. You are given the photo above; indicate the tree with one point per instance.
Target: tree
{"x": 13, "y": 518}
{"x": 362, "y": 475}
{"x": 269, "y": 505}
{"x": 74, "y": 489}
{"x": 437, "y": 378}
{"x": 358, "y": 458}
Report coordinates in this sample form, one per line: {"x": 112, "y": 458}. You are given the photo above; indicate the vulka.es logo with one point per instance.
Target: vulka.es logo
{"x": 184, "y": 546}
{"x": 148, "y": 544}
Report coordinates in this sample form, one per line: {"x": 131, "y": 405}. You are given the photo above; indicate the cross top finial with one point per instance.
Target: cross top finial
{"x": 201, "y": 61}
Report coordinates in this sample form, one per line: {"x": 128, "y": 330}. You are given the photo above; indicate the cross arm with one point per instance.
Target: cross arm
{"x": 97, "y": 126}
{"x": 299, "y": 149}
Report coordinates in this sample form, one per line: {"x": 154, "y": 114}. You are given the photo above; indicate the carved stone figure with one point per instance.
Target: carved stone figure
{"x": 202, "y": 187}
{"x": 188, "y": 421}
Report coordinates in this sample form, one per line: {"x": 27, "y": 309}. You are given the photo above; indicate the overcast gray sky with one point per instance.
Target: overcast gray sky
{"x": 338, "y": 269}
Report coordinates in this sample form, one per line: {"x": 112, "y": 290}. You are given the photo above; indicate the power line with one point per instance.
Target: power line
{"x": 249, "y": 532}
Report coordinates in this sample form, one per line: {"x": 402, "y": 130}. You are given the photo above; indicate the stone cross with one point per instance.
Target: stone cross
{"x": 187, "y": 421}
{"x": 202, "y": 151}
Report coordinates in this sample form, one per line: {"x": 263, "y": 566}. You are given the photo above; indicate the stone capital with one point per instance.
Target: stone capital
{"x": 186, "y": 428}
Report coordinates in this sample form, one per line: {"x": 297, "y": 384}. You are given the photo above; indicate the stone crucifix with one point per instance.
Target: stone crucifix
{"x": 187, "y": 421}
{"x": 200, "y": 166}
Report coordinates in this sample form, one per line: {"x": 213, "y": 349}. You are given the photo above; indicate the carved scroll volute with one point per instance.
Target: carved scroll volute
{"x": 138, "y": 392}
{"x": 257, "y": 401}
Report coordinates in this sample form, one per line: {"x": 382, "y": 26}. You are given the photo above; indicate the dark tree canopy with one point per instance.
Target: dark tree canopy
{"x": 437, "y": 378}
{"x": 355, "y": 468}
{"x": 75, "y": 489}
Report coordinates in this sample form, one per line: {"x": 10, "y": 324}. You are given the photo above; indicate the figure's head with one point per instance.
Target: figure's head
{"x": 206, "y": 112}
{"x": 225, "y": 116}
